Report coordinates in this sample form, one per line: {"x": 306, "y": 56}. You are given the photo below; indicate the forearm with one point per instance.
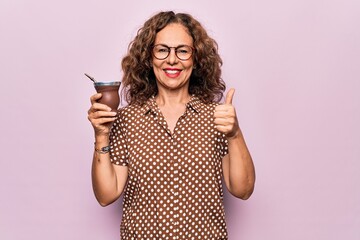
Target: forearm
{"x": 103, "y": 175}
{"x": 241, "y": 171}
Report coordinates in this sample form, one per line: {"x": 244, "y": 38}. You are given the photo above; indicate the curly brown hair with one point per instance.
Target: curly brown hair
{"x": 139, "y": 82}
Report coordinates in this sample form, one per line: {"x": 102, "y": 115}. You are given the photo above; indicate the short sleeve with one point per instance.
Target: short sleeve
{"x": 118, "y": 145}
{"x": 223, "y": 142}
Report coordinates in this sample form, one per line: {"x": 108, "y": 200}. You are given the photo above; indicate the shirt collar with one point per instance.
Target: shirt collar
{"x": 149, "y": 105}
{"x": 195, "y": 103}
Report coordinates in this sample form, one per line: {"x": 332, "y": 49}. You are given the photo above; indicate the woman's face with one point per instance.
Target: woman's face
{"x": 172, "y": 73}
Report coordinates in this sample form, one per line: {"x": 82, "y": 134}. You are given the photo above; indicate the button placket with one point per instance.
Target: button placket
{"x": 175, "y": 186}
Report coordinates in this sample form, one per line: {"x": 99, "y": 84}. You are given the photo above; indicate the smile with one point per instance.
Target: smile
{"x": 172, "y": 72}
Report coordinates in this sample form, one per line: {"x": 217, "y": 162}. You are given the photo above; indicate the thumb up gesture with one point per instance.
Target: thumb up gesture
{"x": 225, "y": 117}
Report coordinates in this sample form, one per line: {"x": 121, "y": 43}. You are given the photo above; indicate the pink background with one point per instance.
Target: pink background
{"x": 294, "y": 63}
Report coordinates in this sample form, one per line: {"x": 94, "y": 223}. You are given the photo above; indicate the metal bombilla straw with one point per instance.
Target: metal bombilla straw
{"x": 91, "y": 78}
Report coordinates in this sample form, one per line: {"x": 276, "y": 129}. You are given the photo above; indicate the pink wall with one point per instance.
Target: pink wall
{"x": 294, "y": 64}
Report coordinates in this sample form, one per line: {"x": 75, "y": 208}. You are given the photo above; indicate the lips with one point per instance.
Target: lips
{"x": 172, "y": 72}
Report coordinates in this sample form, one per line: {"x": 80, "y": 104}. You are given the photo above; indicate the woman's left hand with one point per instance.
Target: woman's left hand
{"x": 225, "y": 117}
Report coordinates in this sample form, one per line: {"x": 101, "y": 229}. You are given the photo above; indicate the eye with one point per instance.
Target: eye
{"x": 183, "y": 50}
{"x": 161, "y": 49}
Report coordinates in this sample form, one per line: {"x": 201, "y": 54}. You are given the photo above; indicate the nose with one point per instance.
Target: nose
{"x": 172, "y": 59}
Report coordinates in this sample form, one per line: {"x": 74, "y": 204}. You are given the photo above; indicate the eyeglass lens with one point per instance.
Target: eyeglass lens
{"x": 161, "y": 52}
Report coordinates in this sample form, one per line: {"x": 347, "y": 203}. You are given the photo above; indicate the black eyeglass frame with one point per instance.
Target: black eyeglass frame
{"x": 176, "y": 53}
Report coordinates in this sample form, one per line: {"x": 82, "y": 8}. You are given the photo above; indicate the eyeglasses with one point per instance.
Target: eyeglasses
{"x": 182, "y": 52}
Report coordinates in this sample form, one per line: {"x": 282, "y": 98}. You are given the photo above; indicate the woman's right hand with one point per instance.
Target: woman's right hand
{"x": 100, "y": 116}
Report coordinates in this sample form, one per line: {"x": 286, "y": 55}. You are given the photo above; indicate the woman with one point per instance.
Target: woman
{"x": 170, "y": 148}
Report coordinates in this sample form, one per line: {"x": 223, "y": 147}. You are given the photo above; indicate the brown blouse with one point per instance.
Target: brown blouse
{"x": 174, "y": 188}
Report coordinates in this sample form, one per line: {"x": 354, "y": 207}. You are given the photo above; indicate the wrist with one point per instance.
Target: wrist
{"x": 102, "y": 150}
{"x": 237, "y": 134}
{"x": 101, "y": 140}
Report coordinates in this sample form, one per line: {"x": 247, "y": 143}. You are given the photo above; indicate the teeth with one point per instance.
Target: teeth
{"x": 172, "y": 71}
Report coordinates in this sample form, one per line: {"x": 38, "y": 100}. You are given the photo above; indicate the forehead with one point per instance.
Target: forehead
{"x": 173, "y": 35}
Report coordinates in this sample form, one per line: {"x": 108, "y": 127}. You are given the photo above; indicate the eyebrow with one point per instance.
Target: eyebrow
{"x": 181, "y": 45}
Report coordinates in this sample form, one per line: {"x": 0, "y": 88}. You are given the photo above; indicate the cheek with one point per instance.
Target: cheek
{"x": 157, "y": 71}
{"x": 190, "y": 64}
{"x": 155, "y": 66}
{"x": 155, "y": 62}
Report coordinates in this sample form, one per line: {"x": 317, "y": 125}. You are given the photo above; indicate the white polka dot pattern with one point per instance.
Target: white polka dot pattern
{"x": 174, "y": 188}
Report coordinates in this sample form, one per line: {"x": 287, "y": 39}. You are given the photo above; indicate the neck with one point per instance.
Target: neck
{"x": 168, "y": 98}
